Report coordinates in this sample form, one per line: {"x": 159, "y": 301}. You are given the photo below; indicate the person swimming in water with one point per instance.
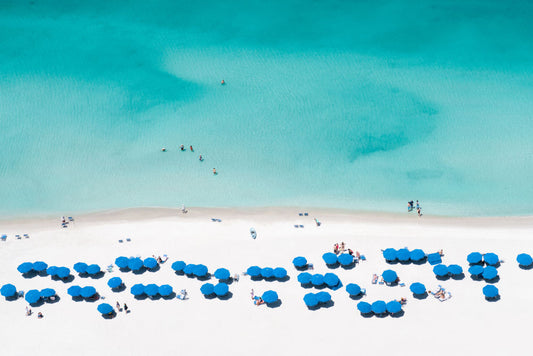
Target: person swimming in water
{"x": 201, "y": 158}
{"x": 191, "y": 148}
{"x": 222, "y": 82}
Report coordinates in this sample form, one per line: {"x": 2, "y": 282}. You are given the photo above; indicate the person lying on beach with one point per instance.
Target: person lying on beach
{"x": 258, "y": 301}
{"x": 40, "y": 315}
{"x": 402, "y": 301}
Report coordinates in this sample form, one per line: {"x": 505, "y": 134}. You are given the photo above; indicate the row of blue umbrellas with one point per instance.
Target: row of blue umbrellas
{"x": 317, "y": 280}
{"x": 488, "y": 273}
{"x": 27, "y": 267}
{"x": 151, "y": 290}
{"x": 34, "y": 295}
{"x": 190, "y": 269}
{"x": 136, "y": 263}
{"x": 220, "y": 290}
{"x": 441, "y": 270}
{"x": 403, "y": 255}
{"x": 84, "y": 292}
{"x": 490, "y": 258}
{"x": 380, "y": 307}
{"x": 60, "y": 272}
{"x": 266, "y": 272}
{"x": 332, "y": 259}
{"x": 316, "y": 299}
{"x": 82, "y": 268}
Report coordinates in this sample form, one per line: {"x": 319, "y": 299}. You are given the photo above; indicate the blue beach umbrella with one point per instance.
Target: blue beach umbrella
{"x": 200, "y": 270}
{"x": 165, "y": 290}
{"x": 80, "y": 267}
{"x": 270, "y": 297}
{"x": 222, "y": 274}
{"x": 418, "y": 288}
{"x": 455, "y": 270}
{"x": 8, "y": 290}
{"x": 475, "y": 270}
{"x": 317, "y": 280}
{"x": 207, "y": 289}
{"x": 417, "y": 255}
{"x": 490, "y": 291}
{"x": 345, "y": 259}
{"x": 151, "y": 289}
{"x": 323, "y": 297}
{"x": 122, "y": 262}
{"x": 440, "y": 270}
{"x": 189, "y": 269}
{"x": 63, "y": 272}
{"x": 267, "y": 272}
{"x": 51, "y": 271}
{"x": 105, "y": 308}
{"x": 305, "y": 278}
{"x": 379, "y": 307}
{"x": 25, "y": 267}
{"x": 280, "y": 272}
{"x": 135, "y": 263}
{"x": 331, "y": 279}
{"x": 434, "y": 258}
{"x": 310, "y": 300}
{"x": 524, "y": 259}
{"x": 364, "y": 307}
{"x": 254, "y": 271}
{"x": 490, "y": 273}
{"x": 137, "y": 289}
{"x": 299, "y": 262}
{"x": 389, "y": 254}
{"x": 114, "y": 282}
{"x": 88, "y": 292}
{"x": 221, "y": 289}
{"x": 178, "y": 266}
{"x": 389, "y": 276}
{"x": 33, "y": 296}
{"x": 403, "y": 255}
{"x": 491, "y": 259}
{"x": 353, "y": 289}
{"x": 74, "y": 291}
{"x": 394, "y": 307}
{"x": 93, "y": 269}
{"x": 40, "y": 266}
{"x": 474, "y": 257}
{"x": 150, "y": 262}
{"x": 47, "y": 293}
{"x": 330, "y": 258}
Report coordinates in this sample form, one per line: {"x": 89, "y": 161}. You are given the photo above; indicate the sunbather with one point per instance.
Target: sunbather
{"x": 403, "y": 301}
{"x": 374, "y": 279}
{"x": 40, "y": 315}
{"x": 258, "y": 301}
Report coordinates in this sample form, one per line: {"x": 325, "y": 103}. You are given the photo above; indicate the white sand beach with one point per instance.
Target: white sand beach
{"x": 464, "y": 324}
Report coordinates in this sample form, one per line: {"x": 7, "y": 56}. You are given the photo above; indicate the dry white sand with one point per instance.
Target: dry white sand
{"x": 465, "y": 324}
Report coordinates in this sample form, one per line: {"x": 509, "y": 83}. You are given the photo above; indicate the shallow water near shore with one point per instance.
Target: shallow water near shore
{"x": 360, "y": 106}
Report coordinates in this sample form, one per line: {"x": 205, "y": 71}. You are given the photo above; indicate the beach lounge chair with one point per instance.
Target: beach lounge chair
{"x": 120, "y": 241}
{"x": 296, "y": 226}
{"x": 18, "y": 237}
{"x": 301, "y": 226}
{"x": 110, "y": 268}
{"x": 310, "y": 266}
{"x": 129, "y": 240}
{"x": 447, "y": 296}
{"x": 71, "y": 219}
{"x": 26, "y": 236}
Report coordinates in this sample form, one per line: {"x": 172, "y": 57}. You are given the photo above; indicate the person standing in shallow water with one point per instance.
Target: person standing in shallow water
{"x": 182, "y": 148}
{"x": 191, "y": 148}
{"x": 215, "y": 171}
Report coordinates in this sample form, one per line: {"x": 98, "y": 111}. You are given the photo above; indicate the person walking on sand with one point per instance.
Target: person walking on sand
{"x": 419, "y": 211}
{"x": 126, "y": 308}
{"x": 118, "y": 306}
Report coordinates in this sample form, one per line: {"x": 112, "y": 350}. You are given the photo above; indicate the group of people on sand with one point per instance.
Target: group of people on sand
{"x": 161, "y": 260}
{"x": 29, "y": 313}
{"x": 411, "y": 207}
{"x": 338, "y": 249}
{"x": 65, "y": 222}
{"x": 119, "y": 309}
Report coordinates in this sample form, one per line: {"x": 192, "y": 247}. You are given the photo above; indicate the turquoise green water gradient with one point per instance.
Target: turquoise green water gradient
{"x": 361, "y": 105}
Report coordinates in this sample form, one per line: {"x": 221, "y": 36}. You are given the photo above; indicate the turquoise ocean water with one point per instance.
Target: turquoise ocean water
{"x": 347, "y": 104}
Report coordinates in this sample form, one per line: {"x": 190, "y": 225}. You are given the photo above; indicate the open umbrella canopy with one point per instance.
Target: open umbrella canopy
{"x": 253, "y": 271}
{"x": 222, "y": 274}
{"x": 150, "y": 262}
{"x": 51, "y": 271}
{"x": 221, "y": 289}
{"x": 310, "y": 300}
{"x": 80, "y": 267}
{"x": 489, "y": 258}
{"x": 417, "y": 255}
{"x": 418, "y": 288}
{"x": 48, "y": 292}
{"x": 440, "y": 270}
{"x": 25, "y": 267}
{"x": 165, "y": 290}
{"x": 200, "y": 270}
{"x": 93, "y": 269}
{"x": 323, "y": 297}
{"x": 270, "y": 296}
{"x": 305, "y": 278}
{"x": 267, "y": 272}
{"x": 330, "y": 258}
{"x": 74, "y": 291}
{"x": 353, "y": 289}
{"x": 299, "y": 262}
{"x": 474, "y": 257}
{"x": 524, "y": 259}
{"x": 389, "y": 254}
{"x": 403, "y": 254}
{"x": 114, "y": 282}
{"x": 40, "y": 266}
{"x": 434, "y": 258}
{"x": 475, "y": 270}
{"x": 394, "y": 306}
{"x": 389, "y": 276}
{"x": 345, "y": 259}
{"x": 331, "y": 279}
{"x": 317, "y": 280}
{"x": 490, "y": 291}
{"x": 33, "y": 296}
{"x": 63, "y": 272}
{"x": 87, "y": 292}
{"x": 135, "y": 263}
{"x": 8, "y": 290}
{"x": 280, "y": 272}
{"x": 122, "y": 262}
{"x": 379, "y": 307}
{"x": 105, "y": 308}
{"x": 455, "y": 270}
{"x": 364, "y": 307}
{"x": 178, "y": 266}
{"x": 151, "y": 289}
{"x": 137, "y": 289}
{"x": 207, "y": 289}
{"x": 489, "y": 273}
{"x": 189, "y": 269}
